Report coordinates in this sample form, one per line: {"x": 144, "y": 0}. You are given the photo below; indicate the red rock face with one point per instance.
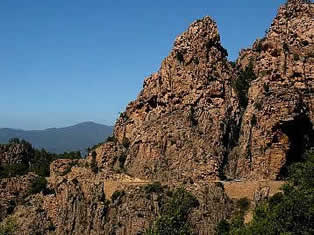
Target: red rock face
{"x": 177, "y": 124}
{"x": 281, "y": 99}
{"x": 184, "y": 128}
{"x": 184, "y": 122}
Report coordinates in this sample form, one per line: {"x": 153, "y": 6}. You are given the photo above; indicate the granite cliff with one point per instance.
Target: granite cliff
{"x": 197, "y": 120}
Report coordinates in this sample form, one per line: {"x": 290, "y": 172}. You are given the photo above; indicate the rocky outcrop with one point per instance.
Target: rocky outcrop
{"x": 186, "y": 128}
{"x": 77, "y": 204}
{"x": 13, "y": 191}
{"x": 180, "y": 124}
{"x": 17, "y": 153}
{"x": 277, "y": 124}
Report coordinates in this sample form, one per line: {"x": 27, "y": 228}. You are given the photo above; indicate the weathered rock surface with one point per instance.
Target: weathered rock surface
{"x": 183, "y": 130}
{"x": 278, "y": 122}
{"x": 14, "y": 154}
{"x": 77, "y": 204}
{"x": 179, "y": 125}
{"x": 13, "y": 191}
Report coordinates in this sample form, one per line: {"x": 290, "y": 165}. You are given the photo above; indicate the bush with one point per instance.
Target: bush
{"x": 122, "y": 160}
{"x": 223, "y": 227}
{"x": 259, "y": 47}
{"x": 296, "y": 57}
{"x": 174, "y": 214}
{"x": 242, "y": 84}
{"x": 243, "y": 204}
{"x": 179, "y": 57}
{"x": 285, "y": 47}
{"x": 125, "y": 142}
{"x": 117, "y": 195}
{"x": 93, "y": 163}
{"x": 8, "y": 227}
{"x": 153, "y": 188}
{"x": 233, "y": 64}
{"x": 266, "y": 87}
{"x": 38, "y": 185}
{"x": 289, "y": 212}
{"x": 111, "y": 139}
{"x": 14, "y": 141}
{"x": 253, "y": 120}
{"x": 13, "y": 170}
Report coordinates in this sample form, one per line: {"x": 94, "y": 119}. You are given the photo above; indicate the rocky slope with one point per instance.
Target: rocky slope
{"x": 186, "y": 128}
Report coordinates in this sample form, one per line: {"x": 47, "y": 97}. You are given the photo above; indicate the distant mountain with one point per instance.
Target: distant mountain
{"x": 59, "y": 140}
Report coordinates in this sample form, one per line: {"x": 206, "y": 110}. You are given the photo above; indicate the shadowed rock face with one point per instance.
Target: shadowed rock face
{"x": 281, "y": 98}
{"x": 177, "y": 124}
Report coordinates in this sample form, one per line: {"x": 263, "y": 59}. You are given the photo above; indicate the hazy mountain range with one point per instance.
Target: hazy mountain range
{"x": 59, "y": 140}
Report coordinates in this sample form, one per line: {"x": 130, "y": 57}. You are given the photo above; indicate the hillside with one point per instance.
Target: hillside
{"x": 202, "y": 134}
{"x": 59, "y": 140}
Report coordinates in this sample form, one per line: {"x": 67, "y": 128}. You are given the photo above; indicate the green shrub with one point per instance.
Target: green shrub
{"x": 223, "y": 228}
{"x": 253, "y": 120}
{"x": 259, "y": 46}
{"x": 179, "y": 57}
{"x": 287, "y": 212}
{"x": 117, "y": 195}
{"x": 38, "y": 185}
{"x": 122, "y": 160}
{"x": 285, "y": 47}
{"x": 243, "y": 204}
{"x": 296, "y": 57}
{"x": 174, "y": 214}
{"x": 242, "y": 84}
{"x": 14, "y": 141}
{"x": 125, "y": 142}
{"x": 13, "y": 170}
{"x": 93, "y": 163}
{"x": 8, "y": 227}
{"x": 155, "y": 187}
{"x": 111, "y": 139}
{"x": 266, "y": 88}
{"x": 233, "y": 64}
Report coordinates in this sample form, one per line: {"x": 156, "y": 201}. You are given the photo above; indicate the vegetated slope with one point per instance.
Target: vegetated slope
{"x": 59, "y": 140}
{"x": 198, "y": 118}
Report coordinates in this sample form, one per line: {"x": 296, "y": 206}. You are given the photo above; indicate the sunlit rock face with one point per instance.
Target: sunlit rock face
{"x": 281, "y": 100}
{"x": 179, "y": 125}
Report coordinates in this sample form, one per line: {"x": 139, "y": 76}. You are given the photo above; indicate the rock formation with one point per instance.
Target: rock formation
{"x": 277, "y": 124}
{"x": 187, "y": 128}
{"x": 19, "y": 153}
{"x": 180, "y": 124}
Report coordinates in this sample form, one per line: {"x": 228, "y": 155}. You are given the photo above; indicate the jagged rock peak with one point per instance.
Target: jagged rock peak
{"x": 183, "y": 112}
{"x": 201, "y": 35}
{"x": 298, "y": 1}
{"x": 198, "y": 34}
{"x": 293, "y": 8}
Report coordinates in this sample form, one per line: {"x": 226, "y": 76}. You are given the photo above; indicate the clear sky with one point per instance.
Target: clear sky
{"x": 68, "y": 61}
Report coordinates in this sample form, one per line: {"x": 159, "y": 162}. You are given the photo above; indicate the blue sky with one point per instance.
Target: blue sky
{"x": 67, "y": 61}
